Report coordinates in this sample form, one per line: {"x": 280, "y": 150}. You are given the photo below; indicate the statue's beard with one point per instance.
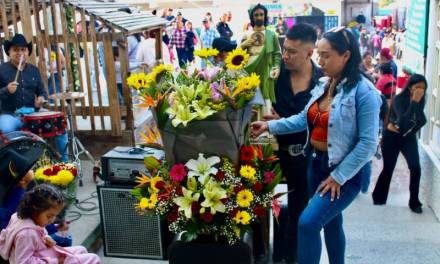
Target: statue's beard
{"x": 259, "y": 23}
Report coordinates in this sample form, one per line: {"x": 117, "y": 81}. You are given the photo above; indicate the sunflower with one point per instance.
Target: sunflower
{"x": 236, "y": 59}
{"x": 205, "y": 53}
{"x": 246, "y": 83}
{"x": 139, "y": 80}
{"x": 159, "y": 69}
{"x": 242, "y": 217}
{"x": 244, "y": 198}
{"x": 147, "y": 203}
{"x": 248, "y": 172}
{"x": 154, "y": 182}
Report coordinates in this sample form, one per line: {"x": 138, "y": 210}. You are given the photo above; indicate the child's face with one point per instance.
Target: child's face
{"x": 47, "y": 217}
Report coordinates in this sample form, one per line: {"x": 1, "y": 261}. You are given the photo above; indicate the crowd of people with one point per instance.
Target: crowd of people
{"x": 328, "y": 116}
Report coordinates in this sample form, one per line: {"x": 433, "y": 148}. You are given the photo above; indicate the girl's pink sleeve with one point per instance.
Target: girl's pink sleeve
{"x": 25, "y": 247}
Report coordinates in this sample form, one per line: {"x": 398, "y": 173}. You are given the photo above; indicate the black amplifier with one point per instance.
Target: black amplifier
{"x": 124, "y": 164}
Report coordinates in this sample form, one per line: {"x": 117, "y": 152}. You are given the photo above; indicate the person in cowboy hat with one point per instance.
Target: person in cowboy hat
{"x": 223, "y": 45}
{"x": 21, "y": 87}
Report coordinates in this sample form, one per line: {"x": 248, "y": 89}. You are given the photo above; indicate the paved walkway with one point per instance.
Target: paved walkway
{"x": 375, "y": 234}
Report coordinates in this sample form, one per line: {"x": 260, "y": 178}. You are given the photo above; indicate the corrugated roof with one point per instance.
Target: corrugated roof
{"x": 114, "y": 15}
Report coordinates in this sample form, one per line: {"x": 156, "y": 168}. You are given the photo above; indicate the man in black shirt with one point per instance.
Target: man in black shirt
{"x": 298, "y": 76}
{"x": 24, "y": 89}
{"x": 223, "y": 27}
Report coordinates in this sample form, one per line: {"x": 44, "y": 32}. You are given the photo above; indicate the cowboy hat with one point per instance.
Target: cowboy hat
{"x": 17, "y": 40}
{"x": 14, "y": 165}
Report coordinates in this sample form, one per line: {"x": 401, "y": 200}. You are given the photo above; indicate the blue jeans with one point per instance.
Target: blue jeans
{"x": 9, "y": 123}
{"x": 323, "y": 213}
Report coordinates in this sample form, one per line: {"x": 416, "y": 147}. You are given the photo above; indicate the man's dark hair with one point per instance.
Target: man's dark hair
{"x": 251, "y": 14}
{"x": 303, "y": 32}
{"x": 385, "y": 68}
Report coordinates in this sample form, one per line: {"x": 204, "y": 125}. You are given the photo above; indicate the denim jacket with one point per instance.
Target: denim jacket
{"x": 352, "y": 128}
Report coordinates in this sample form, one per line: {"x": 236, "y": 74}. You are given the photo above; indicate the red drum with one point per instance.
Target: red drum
{"x": 45, "y": 124}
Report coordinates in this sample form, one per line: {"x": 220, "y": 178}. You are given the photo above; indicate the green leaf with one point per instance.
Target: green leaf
{"x": 162, "y": 116}
{"x": 137, "y": 193}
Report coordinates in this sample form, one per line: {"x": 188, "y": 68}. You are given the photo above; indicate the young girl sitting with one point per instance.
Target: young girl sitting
{"x": 25, "y": 239}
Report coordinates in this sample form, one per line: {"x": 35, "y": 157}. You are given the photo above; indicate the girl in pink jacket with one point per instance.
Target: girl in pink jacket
{"x": 25, "y": 240}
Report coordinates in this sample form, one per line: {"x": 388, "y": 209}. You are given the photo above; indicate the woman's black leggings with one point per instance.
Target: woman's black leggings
{"x": 392, "y": 144}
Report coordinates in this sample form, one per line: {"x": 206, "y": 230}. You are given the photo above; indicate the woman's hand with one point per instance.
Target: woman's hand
{"x": 329, "y": 185}
{"x": 258, "y": 128}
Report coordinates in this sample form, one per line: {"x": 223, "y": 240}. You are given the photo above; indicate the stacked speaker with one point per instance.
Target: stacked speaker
{"x": 125, "y": 232}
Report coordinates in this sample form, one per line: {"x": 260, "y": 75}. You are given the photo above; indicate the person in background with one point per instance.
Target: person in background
{"x": 208, "y": 16}
{"x": 27, "y": 92}
{"x": 386, "y": 83}
{"x": 298, "y": 76}
{"x": 367, "y": 66}
{"x": 208, "y": 34}
{"x": 342, "y": 119}
{"x": 223, "y": 46}
{"x": 178, "y": 41}
{"x": 223, "y": 27}
{"x": 377, "y": 43}
{"x": 281, "y": 27}
{"x": 387, "y": 57}
{"x": 146, "y": 54}
{"x": 191, "y": 41}
{"x": 406, "y": 117}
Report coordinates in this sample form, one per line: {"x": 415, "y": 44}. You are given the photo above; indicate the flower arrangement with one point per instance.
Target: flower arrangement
{"x": 195, "y": 94}
{"x": 61, "y": 175}
{"x": 210, "y": 195}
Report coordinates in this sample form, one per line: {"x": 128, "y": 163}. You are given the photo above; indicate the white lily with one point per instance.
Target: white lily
{"x": 182, "y": 114}
{"x": 202, "y": 110}
{"x": 202, "y": 167}
{"x": 185, "y": 202}
{"x": 213, "y": 194}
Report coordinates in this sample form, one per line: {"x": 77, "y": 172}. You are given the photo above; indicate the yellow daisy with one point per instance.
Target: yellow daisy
{"x": 236, "y": 59}
{"x": 242, "y": 217}
{"x": 147, "y": 203}
{"x": 244, "y": 198}
{"x": 248, "y": 172}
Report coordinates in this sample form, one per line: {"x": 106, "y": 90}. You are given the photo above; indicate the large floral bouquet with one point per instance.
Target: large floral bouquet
{"x": 195, "y": 94}
{"x": 210, "y": 195}
{"x": 61, "y": 175}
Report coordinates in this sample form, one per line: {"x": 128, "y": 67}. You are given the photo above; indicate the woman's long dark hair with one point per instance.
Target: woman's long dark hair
{"x": 343, "y": 40}
{"x": 406, "y": 93}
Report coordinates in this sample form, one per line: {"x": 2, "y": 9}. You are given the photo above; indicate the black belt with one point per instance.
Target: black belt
{"x": 294, "y": 149}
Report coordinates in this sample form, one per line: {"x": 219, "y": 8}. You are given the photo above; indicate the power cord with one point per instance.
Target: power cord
{"x": 85, "y": 207}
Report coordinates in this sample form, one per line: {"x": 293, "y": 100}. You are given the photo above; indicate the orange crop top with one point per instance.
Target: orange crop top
{"x": 319, "y": 121}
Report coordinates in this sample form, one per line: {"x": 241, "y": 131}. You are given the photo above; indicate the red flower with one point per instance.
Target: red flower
{"x": 56, "y": 169}
{"x": 247, "y": 154}
{"x": 172, "y": 216}
{"x": 160, "y": 185}
{"x": 207, "y": 217}
{"x": 179, "y": 190}
{"x": 239, "y": 188}
{"x": 48, "y": 172}
{"x": 233, "y": 212}
{"x": 220, "y": 176}
{"x": 257, "y": 187}
{"x": 224, "y": 200}
{"x": 74, "y": 171}
{"x": 259, "y": 211}
{"x": 178, "y": 172}
{"x": 195, "y": 207}
{"x": 268, "y": 176}
{"x": 258, "y": 151}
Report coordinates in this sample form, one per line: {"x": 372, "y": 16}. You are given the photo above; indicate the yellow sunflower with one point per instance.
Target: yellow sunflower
{"x": 246, "y": 83}
{"x": 153, "y": 183}
{"x": 147, "y": 203}
{"x": 242, "y": 217}
{"x": 159, "y": 69}
{"x": 244, "y": 198}
{"x": 205, "y": 53}
{"x": 248, "y": 172}
{"x": 139, "y": 80}
{"x": 236, "y": 59}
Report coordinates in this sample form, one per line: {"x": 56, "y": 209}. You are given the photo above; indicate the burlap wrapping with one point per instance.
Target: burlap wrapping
{"x": 221, "y": 134}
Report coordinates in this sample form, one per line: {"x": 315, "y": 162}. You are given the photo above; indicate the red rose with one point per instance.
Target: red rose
{"x": 257, "y": 187}
{"x": 48, "y": 172}
{"x": 207, "y": 217}
{"x": 247, "y": 154}
{"x": 160, "y": 185}
{"x": 179, "y": 190}
{"x": 239, "y": 188}
{"x": 172, "y": 216}
{"x": 56, "y": 169}
{"x": 74, "y": 171}
{"x": 220, "y": 176}
{"x": 195, "y": 208}
{"x": 259, "y": 211}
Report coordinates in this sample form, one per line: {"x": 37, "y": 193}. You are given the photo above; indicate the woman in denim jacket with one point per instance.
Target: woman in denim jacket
{"x": 342, "y": 120}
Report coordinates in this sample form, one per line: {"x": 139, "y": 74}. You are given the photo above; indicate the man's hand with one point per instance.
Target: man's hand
{"x": 12, "y": 87}
{"x": 273, "y": 116}
{"x": 258, "y": 128}
{"x": 329, "y": 185}
{"x": 39, "y": 101}
{"x": 49, "y": 242}
{"x": 274, "y": 73}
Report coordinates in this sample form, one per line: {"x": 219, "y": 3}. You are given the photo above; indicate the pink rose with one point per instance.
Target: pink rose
{"x": 178, "y": 172}
{"x": 268, "y": 176}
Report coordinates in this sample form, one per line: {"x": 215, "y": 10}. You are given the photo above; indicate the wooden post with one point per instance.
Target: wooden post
{"x": 97, "y": 72}
{"x": 78, "y": 58}
{"x": 14, "y": 16}
{"x": 67, "y": 43}
{"x": 40, "y": 46}
{"x": 126, "y": 91}
{"x": 115, "y": 113}
{"x": 26, "y": 24}
{"x": 158, "y": 44}
{"x": 53, "y": 11}
{"x": 4, "y": 20}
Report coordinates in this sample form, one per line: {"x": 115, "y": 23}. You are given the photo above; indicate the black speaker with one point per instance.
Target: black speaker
{"x": 125, "y": 232}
